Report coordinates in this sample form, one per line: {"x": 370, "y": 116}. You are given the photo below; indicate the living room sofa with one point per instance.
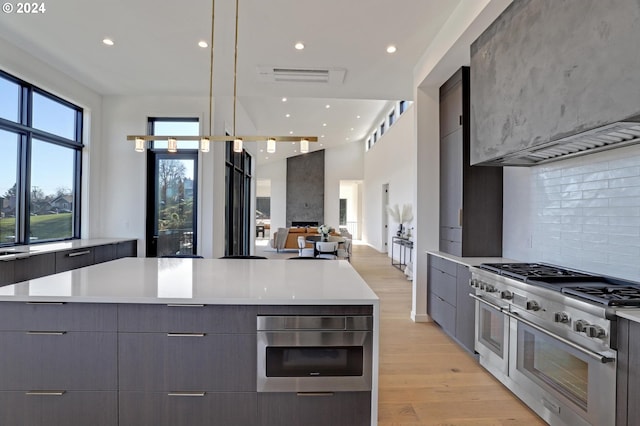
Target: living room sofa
{"x": 293, "y": 233}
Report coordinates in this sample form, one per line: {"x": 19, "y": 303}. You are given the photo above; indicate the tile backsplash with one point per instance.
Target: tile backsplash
{"x": 582, "y": 213}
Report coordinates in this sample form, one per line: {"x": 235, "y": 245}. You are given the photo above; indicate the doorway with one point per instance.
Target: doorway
{"x": 171, "y": 203}
{"x": 385, "y": 218}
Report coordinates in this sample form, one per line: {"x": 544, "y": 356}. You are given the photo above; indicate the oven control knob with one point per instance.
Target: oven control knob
{"x": 472, "y": 282}
{"x": 581, "y": 326}
{"x": 561, "y": 317}
{"x": 490, "y": 288}
{"x": 595, "y": 331}
{"x": 532, "y": 305}
{"x": 506, "y": 294}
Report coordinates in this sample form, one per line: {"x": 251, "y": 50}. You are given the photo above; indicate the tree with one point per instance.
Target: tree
{"x": 11, "y": 192}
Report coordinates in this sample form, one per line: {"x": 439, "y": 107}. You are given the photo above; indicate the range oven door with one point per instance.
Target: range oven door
{"x": 565, "y": 383}
{"x": 492, "y": 338}
{"x": 314, "y": 354}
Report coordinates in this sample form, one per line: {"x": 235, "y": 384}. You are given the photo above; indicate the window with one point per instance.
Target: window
{"x": 382, "y": 128}
{"x": 392, "y": 117}
{"x": 41, "y": 142}
{"x": 403, "y": 106}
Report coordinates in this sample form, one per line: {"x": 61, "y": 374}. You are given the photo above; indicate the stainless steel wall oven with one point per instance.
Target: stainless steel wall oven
{"x": 314, "y": 353}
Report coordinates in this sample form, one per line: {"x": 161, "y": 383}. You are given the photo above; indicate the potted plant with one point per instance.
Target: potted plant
{"x": 401, "y": 216}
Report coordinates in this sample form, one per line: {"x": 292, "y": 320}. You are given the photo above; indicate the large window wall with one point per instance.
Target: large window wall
{"x": 40, "y": 164}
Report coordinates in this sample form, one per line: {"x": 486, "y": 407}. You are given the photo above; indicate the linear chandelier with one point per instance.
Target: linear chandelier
{"x": 205, "y": 140}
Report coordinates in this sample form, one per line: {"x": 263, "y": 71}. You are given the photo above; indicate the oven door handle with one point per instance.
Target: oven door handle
{"x": 486, "y": 302}
{"x": 595, "y": 355}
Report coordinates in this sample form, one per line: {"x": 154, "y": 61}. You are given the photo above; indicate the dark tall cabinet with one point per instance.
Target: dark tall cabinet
{"x": 470, "y": 197}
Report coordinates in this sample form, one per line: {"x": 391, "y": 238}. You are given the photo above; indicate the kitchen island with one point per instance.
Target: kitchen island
{"x": 170, "y": 342}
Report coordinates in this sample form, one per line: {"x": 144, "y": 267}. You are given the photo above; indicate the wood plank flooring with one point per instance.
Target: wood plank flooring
{"x": 426, "y": 379}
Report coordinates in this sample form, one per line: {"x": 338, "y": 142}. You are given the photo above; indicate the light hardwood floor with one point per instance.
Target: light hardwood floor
{"x": 426, "y": 379}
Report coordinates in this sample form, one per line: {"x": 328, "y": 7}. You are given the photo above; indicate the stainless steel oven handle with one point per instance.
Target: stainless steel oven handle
{"x": 595, "y": 355}
{"x": 486, "y": 302}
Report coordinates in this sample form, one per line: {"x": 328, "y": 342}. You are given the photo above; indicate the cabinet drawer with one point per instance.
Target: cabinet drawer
{"x": 189, "y": 318}
{"x": 450, "y": 233}
{"x": 7, "y": 272}
{"x": 443, "y": 284}
{"x": 68, "y": 361}
{"x": 448, "y": 266}
{"x": 451, "y": 247}
{"x": 57, "y": 316}
{"x": 194, "y": 409}
{"x": 443, "y": 313}
{"x": 72, "y": 259}
{"x": 213, "y": 362}
{"x": 337, "y": 409}
{"x": 70, "y": 408}
{"x": 127, "y": 249}
{"x": 104, "y": 253}
{"x": 27, "y": 268}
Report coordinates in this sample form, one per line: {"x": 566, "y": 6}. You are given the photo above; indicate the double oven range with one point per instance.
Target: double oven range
{"x": 549, "y": 334}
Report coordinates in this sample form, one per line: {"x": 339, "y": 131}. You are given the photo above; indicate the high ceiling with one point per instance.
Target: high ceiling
{"x": 156, "y": 53}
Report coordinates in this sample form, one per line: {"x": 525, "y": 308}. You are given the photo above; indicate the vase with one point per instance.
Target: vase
{"x": 400, "y": 230}
{"x": 324, "y": 238}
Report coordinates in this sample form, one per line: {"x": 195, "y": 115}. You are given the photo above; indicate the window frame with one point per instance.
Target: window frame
{"x": 26, "y": 134}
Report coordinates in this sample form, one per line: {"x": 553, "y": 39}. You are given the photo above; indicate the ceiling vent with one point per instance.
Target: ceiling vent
{"x": 332, "y": 76}
{"x": 614, "y": 135}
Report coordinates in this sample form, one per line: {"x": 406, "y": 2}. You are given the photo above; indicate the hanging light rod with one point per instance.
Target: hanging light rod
{"x": 140, "y": 140}
{"x": 224, "y": 138}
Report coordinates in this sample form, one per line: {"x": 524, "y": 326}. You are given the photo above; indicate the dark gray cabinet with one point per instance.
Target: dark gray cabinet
{"x": 58, "y": 408}
{"x": 73, "y": 259}
{"x": 58, "y": 364}
{"x": 187, "y": 364}
{"x": 322, "y": 409}
{"x": 189, "y": 408}
{"x": 448, "y": 302}
{"x": 39, "y": 265}
{"x": 28, "y": 268}
{"x": 470, "y": 197}
{"x": 628, "y": 373}
{"x": 7, "y": 272}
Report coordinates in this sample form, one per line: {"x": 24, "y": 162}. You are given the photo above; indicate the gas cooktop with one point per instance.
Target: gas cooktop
{"x": 595, "y": 288}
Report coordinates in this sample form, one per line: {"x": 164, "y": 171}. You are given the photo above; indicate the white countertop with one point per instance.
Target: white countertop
{"x": 200, "y": 281}
{"x": 33, "y": 249}
{"x": 471, "y": 261}
{"x": 630, "y": 314}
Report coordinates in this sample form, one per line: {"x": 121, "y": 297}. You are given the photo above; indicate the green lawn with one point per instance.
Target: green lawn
{"x": 43, "y": 227}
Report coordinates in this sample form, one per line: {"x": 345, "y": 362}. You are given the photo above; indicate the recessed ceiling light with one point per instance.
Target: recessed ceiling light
{"x": 327, "y": 106}
{"x": 324, "y": 124}
{"x": 262, "y": 150}
{"x": 287, "y": 115}
{"x": 284, "y": 99}
{"x": 108, "y": 41}
{"x": 299, "y": 45}
{"x": 346, "y": 139}
{"x": 203, "y": 44}
{"x": 322, "y": 136}
{"x": 391, "y": 49}
{"x": 357, "y": 116}
{"x": 352, "y": 129}
{"x": 291, "y": 132}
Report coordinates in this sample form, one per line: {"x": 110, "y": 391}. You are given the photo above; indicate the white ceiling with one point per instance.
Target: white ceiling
{"x": 156, "y": 53}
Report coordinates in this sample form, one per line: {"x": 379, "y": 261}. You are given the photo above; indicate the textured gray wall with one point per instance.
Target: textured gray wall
{"x": 305, "y": 187}
{"x": 546, "y": 69}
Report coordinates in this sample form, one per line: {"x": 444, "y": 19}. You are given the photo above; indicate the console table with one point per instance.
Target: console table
{"x": 405, "y": 248}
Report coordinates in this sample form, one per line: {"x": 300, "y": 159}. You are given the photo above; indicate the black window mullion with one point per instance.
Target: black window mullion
{"x": 23, "y": 189}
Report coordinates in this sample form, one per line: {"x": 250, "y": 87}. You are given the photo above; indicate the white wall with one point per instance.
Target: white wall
{"x": 582, "y": 213}
{"x": 390, "y": 160}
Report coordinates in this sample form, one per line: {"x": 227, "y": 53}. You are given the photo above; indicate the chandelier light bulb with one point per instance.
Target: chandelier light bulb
{"x": 204, "y": 144}
{"x": 140, "y": 145}
{"x": 172, "y": 145}
{"x": 304, "y": 145}
{"x": 237, "y": 145}
{"x": 271, "y": 145}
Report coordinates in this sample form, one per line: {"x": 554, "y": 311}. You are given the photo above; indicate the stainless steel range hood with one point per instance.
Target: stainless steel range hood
{"x": 615, "y": 135}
